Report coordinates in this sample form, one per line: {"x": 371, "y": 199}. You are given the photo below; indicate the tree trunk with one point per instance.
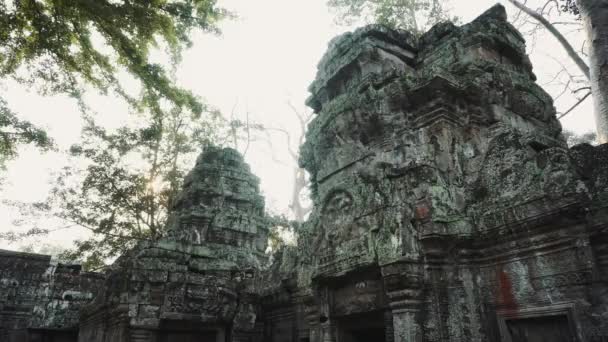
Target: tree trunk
{"x": 595, "y": 15}
{"x": 299, "y": 184}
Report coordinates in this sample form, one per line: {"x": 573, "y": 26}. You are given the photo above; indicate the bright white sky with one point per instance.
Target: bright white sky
{"x": 263, "y": 59}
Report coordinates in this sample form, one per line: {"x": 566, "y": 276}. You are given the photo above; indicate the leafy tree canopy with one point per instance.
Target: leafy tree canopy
{"x": 59, "y": 46}
{"x": 14, "y": 131}
{"x": 130, "y": 180}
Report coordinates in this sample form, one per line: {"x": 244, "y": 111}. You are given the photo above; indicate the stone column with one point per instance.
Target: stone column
{"x": 312, "y": 315}
{"x": 328, "y": 332}
{"x": 322, "y": 327}
{"x": 403, "y": 283}
{"x": 406, "y": 326}
{"x": 389, "y": 331}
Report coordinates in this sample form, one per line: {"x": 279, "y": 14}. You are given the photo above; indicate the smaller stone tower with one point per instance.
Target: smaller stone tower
{"x": 196, "y": 284}
{"x": 220, "y": 203}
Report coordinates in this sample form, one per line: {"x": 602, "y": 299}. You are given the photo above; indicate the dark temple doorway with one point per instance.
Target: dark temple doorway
{"x": 540, "y": 329}
{"x": 367, "y": 327}
{"x": 50, "y": 335}
{"x": 184, "y": 336}
{"x": 188, "y": 331}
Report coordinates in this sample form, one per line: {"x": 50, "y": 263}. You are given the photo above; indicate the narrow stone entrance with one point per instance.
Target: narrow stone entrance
{"x": 178, "y": 331}
{"x": 540, "y": 329}
{"x": 188, "y": 336}
{"x": 50, "y": 335}
{"x": 367, "y": 327}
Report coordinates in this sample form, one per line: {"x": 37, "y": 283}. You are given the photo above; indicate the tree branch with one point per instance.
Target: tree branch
{"x": 303, "y": 120}
{"x": 247, "y": 128}
{"x": 563, "y": 41}
{"x": 575, "y": 105}
{"x": 571, "y": 23}
{"x": 547, "y": 4}
{"x": 293, "y": 154}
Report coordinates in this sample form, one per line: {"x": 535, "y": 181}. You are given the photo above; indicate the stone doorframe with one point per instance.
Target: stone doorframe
{"x": 562, "y": 309}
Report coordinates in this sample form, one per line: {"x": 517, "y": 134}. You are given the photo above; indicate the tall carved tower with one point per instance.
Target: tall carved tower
{"x": 447, "y": 205}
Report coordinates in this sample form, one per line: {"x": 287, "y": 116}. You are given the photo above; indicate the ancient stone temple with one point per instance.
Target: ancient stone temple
{"x": 447, "y": 207}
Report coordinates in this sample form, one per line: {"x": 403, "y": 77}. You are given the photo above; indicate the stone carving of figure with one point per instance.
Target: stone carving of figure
{"x": 557, "y": 170}
{"x": 338, "y": 219}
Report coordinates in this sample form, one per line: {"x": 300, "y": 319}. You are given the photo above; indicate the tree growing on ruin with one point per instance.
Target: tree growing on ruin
{"x": 415, "y": 16}
{"x": 63, "y": 47}
{"x": 121, "y": 181}
{"x": 594, "y": 14}
{"x": 121, "y": 184}
{"x": 298, "y": 205}
{"x": 242, "y": 132}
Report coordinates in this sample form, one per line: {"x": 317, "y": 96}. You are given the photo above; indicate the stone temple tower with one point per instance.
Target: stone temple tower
{"x": 196, "y": 284}
{"x": 447, "y": 206}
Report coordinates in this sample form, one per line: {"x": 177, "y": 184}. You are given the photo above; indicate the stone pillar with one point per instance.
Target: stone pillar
{"x": 406, "y": 326}
{"x": 403, "y": 283}
{"x": 328, "y": 332}
{"x": 389, "y": 331}
{"x": 312, "y": 316}
{"x": 317, "y": 314}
